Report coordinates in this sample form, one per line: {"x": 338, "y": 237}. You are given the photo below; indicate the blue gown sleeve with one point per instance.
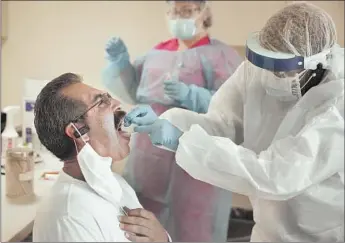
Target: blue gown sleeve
{"x": 121, "y": 77}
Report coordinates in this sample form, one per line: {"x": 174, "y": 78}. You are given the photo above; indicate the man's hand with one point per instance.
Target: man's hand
{"x": 142, "y": 226}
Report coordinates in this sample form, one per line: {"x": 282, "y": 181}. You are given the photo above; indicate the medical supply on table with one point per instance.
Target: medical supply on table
{"x": 19, "y": 172}
{"x": 51, "y": 175}
{"x": 37, "y": 158}
{"x": 9, "y": 136}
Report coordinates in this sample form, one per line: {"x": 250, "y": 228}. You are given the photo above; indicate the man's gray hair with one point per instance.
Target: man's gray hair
{"x": 53, "y": 112}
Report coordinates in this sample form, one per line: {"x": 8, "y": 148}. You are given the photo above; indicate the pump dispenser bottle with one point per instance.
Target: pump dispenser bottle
{"x": 9, "y": 136}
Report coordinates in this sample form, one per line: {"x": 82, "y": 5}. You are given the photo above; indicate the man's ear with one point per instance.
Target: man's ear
{"x": 70, "y": 130}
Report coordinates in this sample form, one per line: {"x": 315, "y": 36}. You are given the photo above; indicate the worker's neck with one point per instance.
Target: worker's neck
{"x": 187, "y": 44}
{"x": 71, "y": 167}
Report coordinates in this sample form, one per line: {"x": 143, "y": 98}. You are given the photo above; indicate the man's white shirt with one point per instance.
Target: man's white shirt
{"x": 74, "y": 212}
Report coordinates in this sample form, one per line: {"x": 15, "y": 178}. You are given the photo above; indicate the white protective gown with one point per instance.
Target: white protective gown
{"x": 287, "y": 156}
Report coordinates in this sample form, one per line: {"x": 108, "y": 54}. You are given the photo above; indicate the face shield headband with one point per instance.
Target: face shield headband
{"x": 283, "y": 62}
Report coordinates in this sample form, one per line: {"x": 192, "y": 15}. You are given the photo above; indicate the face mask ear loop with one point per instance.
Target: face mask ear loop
{"x": 301, "y": 74}
{"x": 81, "y": 136}
{"x": 312, "y": 76}
{"x": 76, "y": 148}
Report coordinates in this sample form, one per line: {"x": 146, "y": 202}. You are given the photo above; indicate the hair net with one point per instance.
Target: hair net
{"x": 304, "y": 29}
{"x": 301, "y": 29}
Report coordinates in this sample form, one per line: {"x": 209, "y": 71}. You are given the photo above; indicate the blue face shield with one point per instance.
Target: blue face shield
{"x": 282, "y": 62}
{"x": 293, "y": 75}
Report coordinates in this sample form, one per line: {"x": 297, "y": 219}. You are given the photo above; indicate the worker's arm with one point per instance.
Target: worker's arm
{"x": 120, "y": 76}
{"x": 285, "y": 169}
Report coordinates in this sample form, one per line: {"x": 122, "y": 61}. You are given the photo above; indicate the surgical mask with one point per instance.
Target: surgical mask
{"x": 97, "y": 172}
{"x": 286, "y": 88}
{"x": 184, "y": 29}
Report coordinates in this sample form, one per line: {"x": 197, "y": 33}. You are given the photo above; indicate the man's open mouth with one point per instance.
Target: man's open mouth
{"x": 119, "y": 116}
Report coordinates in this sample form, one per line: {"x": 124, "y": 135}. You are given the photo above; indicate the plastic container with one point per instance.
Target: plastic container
{"x": 19, "y": 172}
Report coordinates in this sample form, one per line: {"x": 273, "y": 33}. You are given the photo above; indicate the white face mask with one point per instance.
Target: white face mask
{"x": 97, "y": 172}
{"x": 183, "y": 29}
{"x": 287, "y": 88}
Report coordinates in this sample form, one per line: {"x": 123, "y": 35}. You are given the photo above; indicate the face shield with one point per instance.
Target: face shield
{"x": 186, "y": 18}
{"x": 288, "y": 75}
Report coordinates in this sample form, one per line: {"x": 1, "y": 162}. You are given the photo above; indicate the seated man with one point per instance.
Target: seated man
{"x": 82, "y": 127}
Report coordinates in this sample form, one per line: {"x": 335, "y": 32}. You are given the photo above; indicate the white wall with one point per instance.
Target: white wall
{"x": 48, "y": 38}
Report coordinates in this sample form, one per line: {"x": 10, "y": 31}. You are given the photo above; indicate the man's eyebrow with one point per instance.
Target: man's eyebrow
{"x": 96, "y": 98}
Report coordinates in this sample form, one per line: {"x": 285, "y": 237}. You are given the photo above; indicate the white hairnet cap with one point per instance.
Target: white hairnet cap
{"x": 300, "y": 28}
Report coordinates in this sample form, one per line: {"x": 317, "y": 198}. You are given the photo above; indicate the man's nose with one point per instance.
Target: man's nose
{"x": 115, "y": 104}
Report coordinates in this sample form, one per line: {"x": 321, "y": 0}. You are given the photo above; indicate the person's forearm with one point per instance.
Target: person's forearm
{"x": 120, "y": 80}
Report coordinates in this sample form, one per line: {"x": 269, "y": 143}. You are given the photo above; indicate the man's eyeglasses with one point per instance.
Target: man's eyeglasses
{"x": 104, "y": 98}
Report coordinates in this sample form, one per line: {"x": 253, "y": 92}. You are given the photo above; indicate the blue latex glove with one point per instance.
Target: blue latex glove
{"x": 176, "y": 90}
{"x": 116, "y": 50}
{"x": 192, "y": 97}
{"x": 162, "y": 133}
{"x": 140, "y": 115}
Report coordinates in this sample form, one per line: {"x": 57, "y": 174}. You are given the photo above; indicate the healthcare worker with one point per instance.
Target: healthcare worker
{"x": 274, "y": 131}
{"x": 182, "y": 72}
